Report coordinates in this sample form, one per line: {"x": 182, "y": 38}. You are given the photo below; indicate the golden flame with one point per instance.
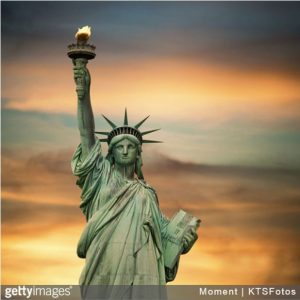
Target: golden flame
{"x": 83, "y": 33}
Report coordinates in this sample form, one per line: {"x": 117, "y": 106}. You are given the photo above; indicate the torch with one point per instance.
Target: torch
{"x": 81, "y": 52}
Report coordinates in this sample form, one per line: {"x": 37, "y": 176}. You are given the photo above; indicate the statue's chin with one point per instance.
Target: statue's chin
{"x": 124, "y": 163}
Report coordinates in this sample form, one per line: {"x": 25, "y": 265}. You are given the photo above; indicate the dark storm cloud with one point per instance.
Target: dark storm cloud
{"x": 251, "y": 34}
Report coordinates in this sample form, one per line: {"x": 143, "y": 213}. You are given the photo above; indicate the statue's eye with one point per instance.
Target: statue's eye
{"x": 119, "y": 147}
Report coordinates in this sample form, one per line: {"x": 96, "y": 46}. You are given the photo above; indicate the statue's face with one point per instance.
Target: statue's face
{"x": 125, "y": 152}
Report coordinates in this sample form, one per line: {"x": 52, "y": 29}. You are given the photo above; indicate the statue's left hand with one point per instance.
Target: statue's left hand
{"x": 189, "y": 240}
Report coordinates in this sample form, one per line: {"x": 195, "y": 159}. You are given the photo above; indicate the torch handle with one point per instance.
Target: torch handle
{"x": 80, "y": 64}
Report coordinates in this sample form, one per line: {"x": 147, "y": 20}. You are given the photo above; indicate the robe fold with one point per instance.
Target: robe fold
{"x": 122, "y": 241}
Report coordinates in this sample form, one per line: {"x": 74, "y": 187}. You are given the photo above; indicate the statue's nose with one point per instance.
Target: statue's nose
{"x": 125, "y": 150}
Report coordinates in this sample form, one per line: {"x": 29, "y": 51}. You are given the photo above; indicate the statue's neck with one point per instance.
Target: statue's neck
{"x": 125, "y": 171}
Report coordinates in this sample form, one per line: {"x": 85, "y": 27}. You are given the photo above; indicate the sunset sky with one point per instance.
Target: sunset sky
{"x": 221, "y": 80}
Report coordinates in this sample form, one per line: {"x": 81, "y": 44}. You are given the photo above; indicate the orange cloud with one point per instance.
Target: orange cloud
{"x": 42, "y": 259}
{"x": 162, "y": 87}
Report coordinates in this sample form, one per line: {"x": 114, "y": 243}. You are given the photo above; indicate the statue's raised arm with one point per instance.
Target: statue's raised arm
{"x": 85, "y": 115}
{"x": 80, "y": 53}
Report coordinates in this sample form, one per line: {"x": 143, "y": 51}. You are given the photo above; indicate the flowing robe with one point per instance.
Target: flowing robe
{"x": 122, "y": 240}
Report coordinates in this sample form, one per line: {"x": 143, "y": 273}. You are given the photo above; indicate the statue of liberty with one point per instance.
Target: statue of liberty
{"x": 123, "y": 240}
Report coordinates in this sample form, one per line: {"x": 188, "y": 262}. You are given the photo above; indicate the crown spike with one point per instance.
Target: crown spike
{"x": 150, "y": 141}
{"x": 149, "y": 131}
{"x": 125, "y": 118}
{"x": 141, "y": 122}
{"x": 113, "y": 125}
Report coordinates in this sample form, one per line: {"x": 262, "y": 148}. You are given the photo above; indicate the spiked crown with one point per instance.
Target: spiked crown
{"x": 126, "y": 129}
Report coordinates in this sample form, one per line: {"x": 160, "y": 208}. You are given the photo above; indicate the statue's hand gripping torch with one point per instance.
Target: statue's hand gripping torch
{"x": 81, "y": 77}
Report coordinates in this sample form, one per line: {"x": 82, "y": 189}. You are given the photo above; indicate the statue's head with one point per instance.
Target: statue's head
{"x": 124, "y": 149}
{"x": 125, "y": 143}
